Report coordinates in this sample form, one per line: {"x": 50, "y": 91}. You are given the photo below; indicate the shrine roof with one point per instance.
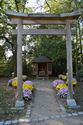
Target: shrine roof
{"x": 41, "y": 59}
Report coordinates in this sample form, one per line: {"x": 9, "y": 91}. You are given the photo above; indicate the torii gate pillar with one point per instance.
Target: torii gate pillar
{"x": 70, "y": 100}
{"x": 19, "y": 101}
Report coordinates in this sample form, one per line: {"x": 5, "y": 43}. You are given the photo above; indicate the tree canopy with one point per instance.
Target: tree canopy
{"x": 53, "y": 47}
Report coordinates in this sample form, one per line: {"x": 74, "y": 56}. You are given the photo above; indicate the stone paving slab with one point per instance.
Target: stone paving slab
{"x": 62, "y": 121}
{"x": 38, "y": 120}
{"x": 45, "y": 103}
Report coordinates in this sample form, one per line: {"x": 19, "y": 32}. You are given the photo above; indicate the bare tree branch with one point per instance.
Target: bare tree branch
{"x": 23, "y": 7}
{"x": 17, "y": 8}
{"x": 37, "y": 8}
{"x": 48, "y": 5}
{"x": 25, "y": 1}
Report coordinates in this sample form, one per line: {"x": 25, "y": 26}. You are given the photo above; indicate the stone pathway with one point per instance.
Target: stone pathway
{"x": 45, "y": 104}
{"x": 61, "y": 121}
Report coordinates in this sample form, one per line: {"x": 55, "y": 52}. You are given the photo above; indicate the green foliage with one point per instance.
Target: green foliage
{"x": 5, "y": 30}
{"x": 15, "y": 5}
{"x": 6, "y": 67}
{"x": 58, "y": 5}
{"x": 52, "y": 47}
{"x": 80, "y": 73}
{"x": 63, "y": 6}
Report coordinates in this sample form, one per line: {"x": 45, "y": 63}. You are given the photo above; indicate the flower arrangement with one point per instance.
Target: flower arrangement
{"x": 61, "y": 85}
{"x": 27, "y": 93}
{"x": 28, "y": 87}
{"x": 61, "y": 76}
{"x": 62, "y": 92}
{"x": 74, "y": 82}
{"x": 56, "y": 82}
{"x": 14, "y": 83}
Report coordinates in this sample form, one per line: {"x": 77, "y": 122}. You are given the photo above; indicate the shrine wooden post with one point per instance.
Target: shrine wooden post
{"x": 19, "y": 102}
{"x": 69, "y": 59}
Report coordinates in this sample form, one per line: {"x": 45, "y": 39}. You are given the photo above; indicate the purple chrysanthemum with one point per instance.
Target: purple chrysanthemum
{"x": 63, "y": 91}
{"x": 26, "y": 93}
{"x": 9, "y": 81}
{"x": 56, "y": 82}
{"x": 28, "y": 82}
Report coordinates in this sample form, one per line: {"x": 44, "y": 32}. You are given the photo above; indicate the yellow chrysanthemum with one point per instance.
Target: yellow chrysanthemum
{"x": 14, "y": 83}
{"x": 28, "y": 86}
{"x": 60, "y": 86}
{"x": 25, "y": 86}
{"x": 74, "y": 82}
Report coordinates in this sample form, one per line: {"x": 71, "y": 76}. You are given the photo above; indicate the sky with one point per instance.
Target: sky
{"x": 33, "y": 3}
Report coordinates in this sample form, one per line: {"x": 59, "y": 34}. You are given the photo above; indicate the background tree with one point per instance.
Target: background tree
{"x": 5, "y": 28}
{"x": 51, "y": 46}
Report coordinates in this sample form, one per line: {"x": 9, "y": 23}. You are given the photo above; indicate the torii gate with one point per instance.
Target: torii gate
{"x": 65, "y": 19}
